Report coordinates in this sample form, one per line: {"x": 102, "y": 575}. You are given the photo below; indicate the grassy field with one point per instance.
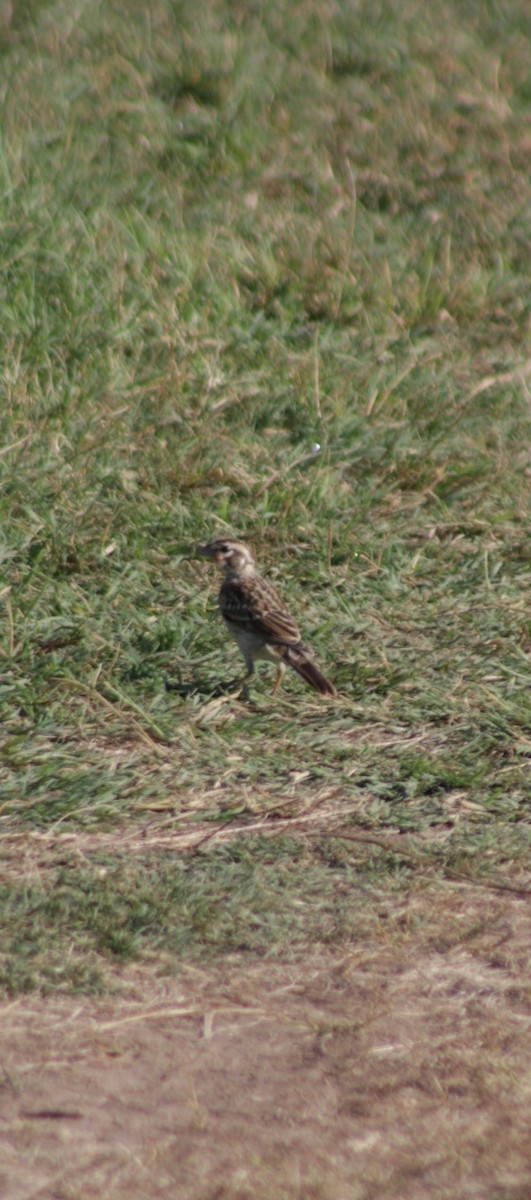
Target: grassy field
{"x": 263, "y": 271}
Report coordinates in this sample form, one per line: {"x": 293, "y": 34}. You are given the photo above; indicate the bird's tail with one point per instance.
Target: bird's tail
{"x": 298, "y": 659}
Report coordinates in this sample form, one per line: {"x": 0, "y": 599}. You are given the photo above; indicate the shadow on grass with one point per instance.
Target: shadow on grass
{"x": 200, "y": 687}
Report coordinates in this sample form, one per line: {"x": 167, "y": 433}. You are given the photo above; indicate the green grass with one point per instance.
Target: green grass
{"x": 228, "y": 235}
{"x": 249, "y": 899}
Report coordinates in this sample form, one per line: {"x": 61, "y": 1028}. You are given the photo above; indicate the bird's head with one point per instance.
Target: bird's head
{"x": 233, "y": 557}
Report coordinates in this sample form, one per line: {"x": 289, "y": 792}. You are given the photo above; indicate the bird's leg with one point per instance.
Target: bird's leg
{"x": 280, "y": 675}
{"x": 243, "y": 687}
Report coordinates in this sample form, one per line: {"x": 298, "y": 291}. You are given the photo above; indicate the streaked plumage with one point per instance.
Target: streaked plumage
{"x": 257, "y": 617}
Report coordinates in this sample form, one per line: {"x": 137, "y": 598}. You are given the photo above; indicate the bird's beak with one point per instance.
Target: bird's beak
{"x": 212, "y": 552}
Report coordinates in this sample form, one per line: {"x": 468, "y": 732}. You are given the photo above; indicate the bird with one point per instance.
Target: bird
{"x": 258, "y": 619}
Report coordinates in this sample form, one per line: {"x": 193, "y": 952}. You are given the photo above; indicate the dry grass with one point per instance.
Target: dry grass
{"x": 397, "y": 1068}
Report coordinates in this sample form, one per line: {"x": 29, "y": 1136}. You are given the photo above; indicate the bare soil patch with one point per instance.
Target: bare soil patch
{"x": 399, "y": 1070}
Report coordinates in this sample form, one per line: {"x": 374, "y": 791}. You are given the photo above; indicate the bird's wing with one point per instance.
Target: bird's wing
{"x": 258, "y": 609}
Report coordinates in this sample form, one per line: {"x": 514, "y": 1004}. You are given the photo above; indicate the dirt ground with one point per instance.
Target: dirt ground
{"x": 400, "y": 1069}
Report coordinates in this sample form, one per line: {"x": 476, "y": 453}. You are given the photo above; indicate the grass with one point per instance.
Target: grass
{"x": 241, "y": 900}
{"x": 230, "y": 237}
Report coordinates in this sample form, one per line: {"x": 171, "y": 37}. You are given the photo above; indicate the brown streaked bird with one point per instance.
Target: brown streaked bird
{"x": 258, "y": 619}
